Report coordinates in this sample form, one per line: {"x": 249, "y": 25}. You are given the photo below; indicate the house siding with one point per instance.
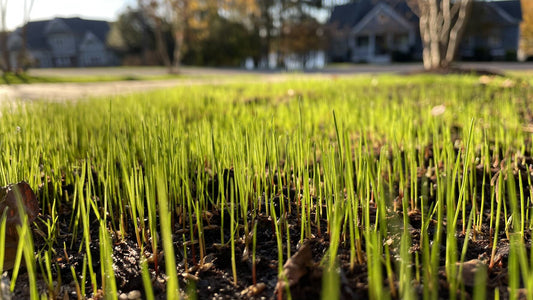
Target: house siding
{"x": 66, "y": 42}
{"x": 498, "y": 43}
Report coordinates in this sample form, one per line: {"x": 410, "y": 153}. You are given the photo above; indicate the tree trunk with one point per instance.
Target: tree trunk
{"x": 23, "y": 60}
{"x": 22, "y": 57}
{"x": 6, "y": 62}
{"x": 162, "y": 45}
{"x": 178, "y": 42}
{"x": 441, "y": 28}
{"x": 458, "y": 29}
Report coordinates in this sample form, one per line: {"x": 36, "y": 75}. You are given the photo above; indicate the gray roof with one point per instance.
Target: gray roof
{"x": 79, "y": 27}
{"x": 495, "y": 13}
{"x": 348, "y": 15}
{"x": 511, "y": 7}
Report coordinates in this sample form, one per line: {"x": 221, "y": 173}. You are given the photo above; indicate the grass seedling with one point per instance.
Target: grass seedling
{"x": 166, "y": 236}
{"x": 500, "y": 200}
{"x": 47, "y": 270}
{"x": 3, "y": 247}
{"x": 340, "y": 166}
{"x": 79, "y": 292}
{"x": 233, "y": 228}
{"x": 480, "y": 280}
{"x": 152, "y": 222}
{"x": 106, "y": 256}
{"x": 254, "y": 264}
{"x": 147, "y": 282}
{"x": 330, "y": 283}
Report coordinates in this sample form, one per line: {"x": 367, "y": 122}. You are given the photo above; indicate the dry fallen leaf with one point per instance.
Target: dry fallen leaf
{"x": 296, "y": 267}
{"x": 9, "y": 196}
{"x": 8, "y": 201}
{"x": 470, "y": 268}
{"x": 508, "y": 83}
{"x": 484, "y": 80}
{"x": 438, "y": 110}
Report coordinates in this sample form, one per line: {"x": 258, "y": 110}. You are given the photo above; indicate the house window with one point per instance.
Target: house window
{"x": 495, "y": 39}
{"x": 63, "y": 61}
{"x": 401, "y": 39}
{"x": 95, "y": 60}
{"x": 468, "y": 42}
{"x": 362, "y": 41}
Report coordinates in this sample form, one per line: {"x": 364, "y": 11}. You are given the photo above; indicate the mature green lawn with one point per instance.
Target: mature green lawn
{"x": 387, "y": 174}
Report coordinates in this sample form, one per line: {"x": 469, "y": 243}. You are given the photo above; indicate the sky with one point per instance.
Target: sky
{"x": 47, "y": 9}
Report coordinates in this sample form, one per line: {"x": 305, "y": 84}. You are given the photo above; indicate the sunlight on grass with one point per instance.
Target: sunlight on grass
{"x": 397, "y": 182}
{"x": 11, "y": 78}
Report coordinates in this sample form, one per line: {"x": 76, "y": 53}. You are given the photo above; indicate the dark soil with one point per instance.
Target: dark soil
{"x": 458, "y": 71}
{"x": 212, "y": 278}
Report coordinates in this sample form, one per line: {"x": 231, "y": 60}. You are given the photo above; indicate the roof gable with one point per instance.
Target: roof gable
{"x": 496, "y": 13}
{"x": 509, "y": 9}
{"x": 90, "y": 41}
{"x": 56, "y": 26}
{"x": 382, "y": 18}
{"x": 80, "y": 26}
{"x": 37, "y": 31}
{"x": 349, "y": 15}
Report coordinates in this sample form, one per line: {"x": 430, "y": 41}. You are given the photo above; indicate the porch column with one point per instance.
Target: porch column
{"x": 371, "y": 46}
{"x": 352, "y": 45}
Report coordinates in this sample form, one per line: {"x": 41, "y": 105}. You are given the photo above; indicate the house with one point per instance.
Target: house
{"x": 373, "y": 31}
{"x": 494, "y": 32}
{"x": 381, "y": 31}
{"x": 64, "y": 42}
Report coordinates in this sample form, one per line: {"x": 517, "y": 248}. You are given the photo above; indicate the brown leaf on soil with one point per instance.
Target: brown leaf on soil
{"x": 470, "y": 268}
{"x": 9, "y": 197}
{"x": 484, "y": 80}
{"x": 502, "y": 252}
{"x": 296, "y": 267}
{"x": 10, "y": 252}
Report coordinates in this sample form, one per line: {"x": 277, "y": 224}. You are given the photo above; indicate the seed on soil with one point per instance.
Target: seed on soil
{"x": 134, "y": 295}
{"x": 253, "y": 290}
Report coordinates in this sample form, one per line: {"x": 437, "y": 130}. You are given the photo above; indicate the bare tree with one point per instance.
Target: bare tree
{"x": 5, "y": 62}
{"x": 155, "y": 10}
{"x": 23, "y": 59}
{"x": 189, "y": 22}
{"x": 172, "y": 12}
{"x": 442, "y": 23}
{"x": 179, "y": 14}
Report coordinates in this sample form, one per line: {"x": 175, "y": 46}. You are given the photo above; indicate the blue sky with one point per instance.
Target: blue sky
{"x": 47, "y": 9}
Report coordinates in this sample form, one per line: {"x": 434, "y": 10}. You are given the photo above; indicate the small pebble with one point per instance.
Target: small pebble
{"x": 133, "y": 295}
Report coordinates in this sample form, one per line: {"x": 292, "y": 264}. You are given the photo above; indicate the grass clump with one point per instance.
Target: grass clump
{"x": 396, "y": 184}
